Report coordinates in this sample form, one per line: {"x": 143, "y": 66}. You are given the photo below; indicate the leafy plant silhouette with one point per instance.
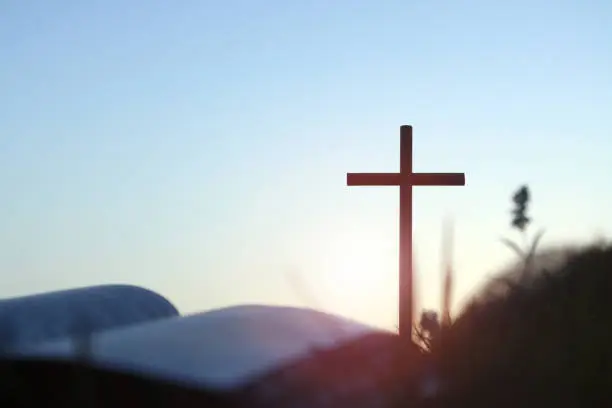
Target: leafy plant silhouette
{"x": 521, "y": 221}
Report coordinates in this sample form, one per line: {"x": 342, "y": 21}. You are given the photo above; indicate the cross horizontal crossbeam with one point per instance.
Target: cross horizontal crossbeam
{"x": 414, "y": 179}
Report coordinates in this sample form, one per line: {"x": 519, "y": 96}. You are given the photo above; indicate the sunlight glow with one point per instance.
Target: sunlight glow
{"x": 358, "y": 276}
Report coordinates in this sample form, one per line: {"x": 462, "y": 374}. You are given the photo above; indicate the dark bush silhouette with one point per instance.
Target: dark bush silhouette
{"x": 541, "y": 340}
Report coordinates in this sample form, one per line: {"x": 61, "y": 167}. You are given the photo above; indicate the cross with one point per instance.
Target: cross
{"x": 405, "y": 179}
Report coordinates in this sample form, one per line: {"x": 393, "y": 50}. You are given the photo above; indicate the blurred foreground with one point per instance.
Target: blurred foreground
{"x": 533, "y": 339}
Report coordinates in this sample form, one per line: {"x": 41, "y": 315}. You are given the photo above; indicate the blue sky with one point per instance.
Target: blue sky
{"x": 199, "y": 148}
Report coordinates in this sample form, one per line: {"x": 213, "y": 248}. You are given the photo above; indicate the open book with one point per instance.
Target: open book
{"x": 135, "y": 349}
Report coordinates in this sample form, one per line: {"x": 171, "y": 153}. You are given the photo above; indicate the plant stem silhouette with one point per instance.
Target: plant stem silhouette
{"x": 521, "y": 221}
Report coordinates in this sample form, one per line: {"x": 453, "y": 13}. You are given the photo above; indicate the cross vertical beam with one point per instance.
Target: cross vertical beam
{"x": 405, "y": 179}
{"x": 406, "y": 266}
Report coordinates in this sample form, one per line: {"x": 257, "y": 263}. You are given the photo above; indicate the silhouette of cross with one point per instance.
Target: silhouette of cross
{"x": 405, "y": 179}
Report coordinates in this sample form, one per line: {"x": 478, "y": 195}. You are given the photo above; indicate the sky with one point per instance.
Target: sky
{"x": 200, "y": 148}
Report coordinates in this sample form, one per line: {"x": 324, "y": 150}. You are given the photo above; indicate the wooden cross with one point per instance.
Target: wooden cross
{"x": 405, "y": 179}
